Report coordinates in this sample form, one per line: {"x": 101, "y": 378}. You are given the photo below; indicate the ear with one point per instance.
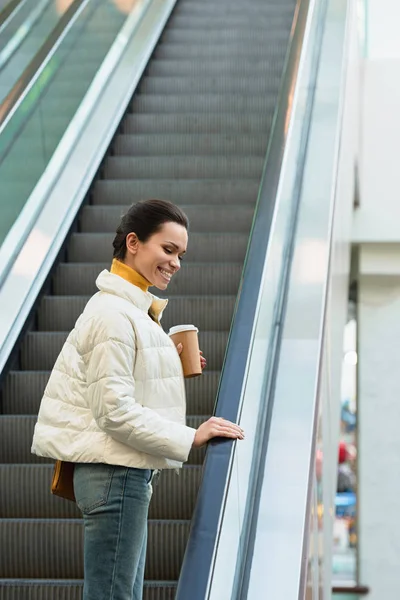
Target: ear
{"x": 132, "y": 243}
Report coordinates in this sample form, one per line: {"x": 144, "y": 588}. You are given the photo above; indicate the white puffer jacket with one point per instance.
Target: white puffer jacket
{"x": 116, "y": 394}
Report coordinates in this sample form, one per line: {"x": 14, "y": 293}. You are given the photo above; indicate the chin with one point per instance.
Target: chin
{"x": 161, "y": 286}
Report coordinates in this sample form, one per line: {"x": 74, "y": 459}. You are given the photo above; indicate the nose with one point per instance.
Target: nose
{"x": 175, "y": 263}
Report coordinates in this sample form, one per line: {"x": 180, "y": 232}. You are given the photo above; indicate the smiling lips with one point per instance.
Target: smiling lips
{"x": 166, "y": 274}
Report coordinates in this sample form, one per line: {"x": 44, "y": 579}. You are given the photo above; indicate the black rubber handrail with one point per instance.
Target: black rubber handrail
{"x": 8, "y": 10}
{"x": 17, "y": 91}
{"x": 203, "y": 540}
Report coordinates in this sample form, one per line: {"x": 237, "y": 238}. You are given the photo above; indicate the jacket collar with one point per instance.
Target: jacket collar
{"x": 145, "y": 301}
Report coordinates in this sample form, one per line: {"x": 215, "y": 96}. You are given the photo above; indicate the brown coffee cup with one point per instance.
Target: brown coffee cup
{"x": 190, "y": 355}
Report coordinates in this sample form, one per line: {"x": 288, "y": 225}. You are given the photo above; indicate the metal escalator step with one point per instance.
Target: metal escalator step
{"x": 182, "y": 167}
{"x": 51, "y": 589}
{"x": 220, "y": 48}
{"x": 23, "y": 391}
{"x": 215, "y": 84}
{"x": 174, "y": 496}
{"x": 198, "y": 278}
{"x": 17, "y": 428}
{"x": 188, "y": 144}
{"x": 122, "y": 192}
{"x": 203, "y": 247}
{"x": 205, "y": 217}
{"x": 262, "y": 104}
{"x": 41, "y": 589}
{"x": 53, "y": 548}
{"x": 254, "y": 68}
{"x": 256, "y": 21}
{"x": 202, "y": 8}
{"x": 195, "y": 123}
{"x": 214, "y": 313}
{"x": 20, "y": 427}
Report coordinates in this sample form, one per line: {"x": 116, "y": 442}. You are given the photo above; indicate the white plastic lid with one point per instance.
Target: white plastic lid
{"x": 179, "y": 328}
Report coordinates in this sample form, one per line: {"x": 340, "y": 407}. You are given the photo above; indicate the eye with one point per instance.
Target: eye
{"x": 167, "y": 251}
{"x": 181, "y": 258}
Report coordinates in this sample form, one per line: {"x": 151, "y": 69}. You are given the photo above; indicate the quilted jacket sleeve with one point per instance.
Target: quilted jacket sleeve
{"x": 109, "y": 357}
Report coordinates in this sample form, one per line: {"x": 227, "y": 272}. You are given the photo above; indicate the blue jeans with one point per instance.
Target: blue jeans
{"x": 114, "y": 502}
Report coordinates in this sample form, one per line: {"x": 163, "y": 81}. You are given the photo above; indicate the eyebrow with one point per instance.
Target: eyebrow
{"x": 175, "y": 246}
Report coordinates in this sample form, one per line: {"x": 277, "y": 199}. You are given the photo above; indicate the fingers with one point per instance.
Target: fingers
{"x": 203, "y": 361}
{"x": 179, "y": 348}
{"x": 224, "y": 428}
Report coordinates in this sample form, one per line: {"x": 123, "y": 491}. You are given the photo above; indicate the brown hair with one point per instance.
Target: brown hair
{"x": 145, "y": 219}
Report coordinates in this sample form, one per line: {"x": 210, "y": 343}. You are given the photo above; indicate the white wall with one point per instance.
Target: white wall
{"x": 379, "y": 436}
{"x": 377, "y": 232}
{"x": 377, "y": 218}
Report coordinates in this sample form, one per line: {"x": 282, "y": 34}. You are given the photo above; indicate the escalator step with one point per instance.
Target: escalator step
{"x": 203, "y": 247}
{"x": 198, "y": 278}
{"x": 253, "y": 68}
{"x": 59, "y": 313}
{"x": 189, "y": 144}
{"x": 50, "y": 589}
{"x": 182, "y": 167}
{"x": 257, "y": 21}
{"x": 124, "y": 191}
{"x": 20, "y": 427}
{"x": 23, "y": 391}
{"x": 47, "y": 548}
{"x": 222, "y": 48}
{"x": 210, "y": 83}
{"x": 174, "y": 495}
{"x": 207, "y": 218}
{"x": 204, "y": 103}
{"x": 201, "y": 8}
{"x": 195, "y": 123}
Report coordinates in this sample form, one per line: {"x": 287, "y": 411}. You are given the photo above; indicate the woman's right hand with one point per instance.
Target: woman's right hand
{"x": 216, "y": 427}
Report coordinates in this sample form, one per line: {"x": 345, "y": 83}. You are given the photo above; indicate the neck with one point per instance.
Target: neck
{"x": 129, "y": 274}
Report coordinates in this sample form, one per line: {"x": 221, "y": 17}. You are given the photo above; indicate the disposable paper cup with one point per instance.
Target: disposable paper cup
{"x": 190, "y": 355}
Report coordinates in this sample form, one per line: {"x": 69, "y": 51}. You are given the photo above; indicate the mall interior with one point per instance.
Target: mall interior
{"x": 273, "y": 124}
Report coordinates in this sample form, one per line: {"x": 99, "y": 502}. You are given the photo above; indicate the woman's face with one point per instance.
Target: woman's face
{"x": 158, "y": 259}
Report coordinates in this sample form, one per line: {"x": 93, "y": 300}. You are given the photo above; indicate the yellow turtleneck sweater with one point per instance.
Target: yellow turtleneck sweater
{"x": 135, "y": 278}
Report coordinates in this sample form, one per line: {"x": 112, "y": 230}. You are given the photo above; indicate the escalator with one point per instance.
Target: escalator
{"x": 196, "y": 133}
{"x": 21, "y": 36}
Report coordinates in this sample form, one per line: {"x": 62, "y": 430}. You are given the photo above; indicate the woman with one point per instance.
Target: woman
{"x": 115, "y": 401}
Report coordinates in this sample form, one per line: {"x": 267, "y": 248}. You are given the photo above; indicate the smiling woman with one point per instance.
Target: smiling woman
{"x": 152, "y": 239}
{"x": 115, "y": 402}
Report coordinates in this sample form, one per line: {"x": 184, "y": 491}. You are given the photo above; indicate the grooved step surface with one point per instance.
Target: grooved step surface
{"x": 205, "y": 144}
{"x": 182, "y": 167}
{"x": 204, "y": 85}
{"x": 222, "y": 47}
{"x": 47, "y": 548}
{"x": 206, "y": 68}
{"x": 174, "y": 495}
{"x": 204, "y": 103}
{"x": 207, "y": 218}
{"x": 222, "y": 192}
{"x": 42, "y": 589}
{"x": 195, "y": 123}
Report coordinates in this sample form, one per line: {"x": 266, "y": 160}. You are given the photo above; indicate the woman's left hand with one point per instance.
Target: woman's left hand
{"x": 203, "y": 361}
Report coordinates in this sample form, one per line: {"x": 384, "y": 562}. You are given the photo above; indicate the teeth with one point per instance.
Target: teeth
{"x": 166, "y": 273}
